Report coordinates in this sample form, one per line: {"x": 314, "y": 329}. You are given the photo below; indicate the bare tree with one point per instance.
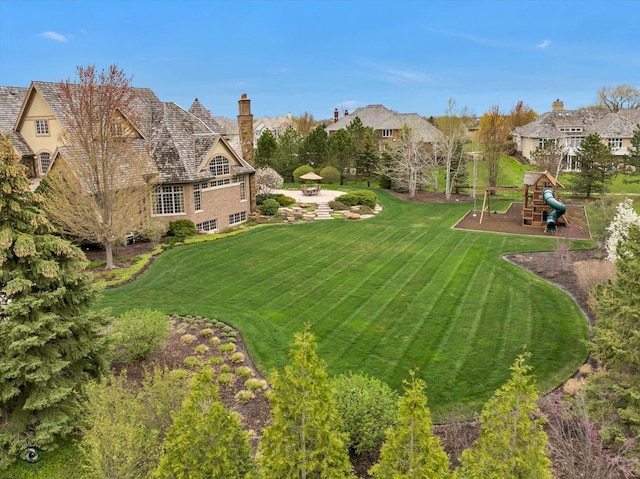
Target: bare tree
{"x": 304, "y": 124}
{"x": 104, "y": 173}
{"x": 408, "y": 163}
{"x": 451, "y": 144}
{"x": 620, "y": 97}
{"x": 550, "y": 156}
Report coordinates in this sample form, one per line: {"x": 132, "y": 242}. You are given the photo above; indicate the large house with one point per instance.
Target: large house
{"x": 570, "y": 127}
{"x": 204, "y": 174}
{"x": 386, "y": 122}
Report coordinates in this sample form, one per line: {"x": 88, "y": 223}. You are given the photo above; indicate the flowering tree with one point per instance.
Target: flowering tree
{"x": 618, "y": 229}
{"x": 268, "y": 179}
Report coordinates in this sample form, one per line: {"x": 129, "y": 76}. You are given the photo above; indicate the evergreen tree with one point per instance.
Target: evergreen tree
{"x": 266, "y": 149}
{"x": 313, "y": 149}
{"x": 412, "y": 450}
{"x": 341, "y": 151}
{"x": 595, "y": 166}
{"x": 302, "y": 440}
{"x": 286, "y": 158}
{"x": 512, "y": 443}
{"x": 50, "y": 344}
{"x": 205, "y": 440}
{"x": 616, "y": 335}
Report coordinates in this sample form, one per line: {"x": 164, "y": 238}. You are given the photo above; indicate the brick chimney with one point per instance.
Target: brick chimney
{"x": 335, "y": 115}
{"x": 346, "y": 113}
{"x": 245, "y": 130}
{"x": 557, "y": 105}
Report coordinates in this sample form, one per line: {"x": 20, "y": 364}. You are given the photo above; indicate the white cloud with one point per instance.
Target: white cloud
{"x": 58, "y": 37}
{"x": 544, "y": 44}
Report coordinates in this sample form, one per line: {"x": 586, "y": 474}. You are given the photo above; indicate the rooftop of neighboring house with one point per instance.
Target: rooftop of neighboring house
{"x": 381, "y": 118}
{"x": 560, "y": 123}
{"x": 11, "y": 101}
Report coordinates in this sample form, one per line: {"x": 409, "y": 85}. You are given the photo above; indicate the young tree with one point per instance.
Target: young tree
{"x": 620, "y": 97}
{"x": 205, "y": 440}
{"x": 104, "y": 175}
{"x": 266, "y": 149}
{"x": 50, "y": 342}
{"x": 341, "y": 148}
{"x": 596, "y": 166}
{"x": 286, "y": 157}
{"x": 407, "y": 163}
{"x": 303, "y": 438}
{"x": 412, "y": 449}
{"x": 549, "y": 157}
{"x": 616, "y": 335}
{"x": 451, "y": 145}
{"x": 268, "y": 179}
{"x": 493, "y": 132}
{"x": 512, "y": 441}
{"x": 313, "y": 149}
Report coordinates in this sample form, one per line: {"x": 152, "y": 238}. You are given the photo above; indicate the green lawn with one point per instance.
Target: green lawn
{"x": 398, "y": 291}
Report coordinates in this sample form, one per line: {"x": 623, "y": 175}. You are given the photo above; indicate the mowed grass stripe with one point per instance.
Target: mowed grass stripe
{"x": 381, "y": 295}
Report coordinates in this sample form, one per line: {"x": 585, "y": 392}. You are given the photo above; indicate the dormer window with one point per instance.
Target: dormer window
{"x": 219, "y": 166}
{"x": 42, "y": 127}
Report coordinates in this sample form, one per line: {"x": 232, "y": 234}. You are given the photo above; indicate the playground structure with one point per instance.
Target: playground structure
{"x": 539, "y": 195}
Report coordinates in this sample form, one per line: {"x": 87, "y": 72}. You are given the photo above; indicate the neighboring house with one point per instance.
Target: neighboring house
{"x": 277, "y": 125}
{"x": 387, "y": 123}
{"x": 570, "y": 127}
{"x": 202, "y": 176}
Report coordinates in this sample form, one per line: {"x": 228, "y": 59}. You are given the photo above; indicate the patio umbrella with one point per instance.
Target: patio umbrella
{"x": 310, "y": 176}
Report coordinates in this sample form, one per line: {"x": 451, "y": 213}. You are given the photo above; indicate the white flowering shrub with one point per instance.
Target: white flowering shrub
{"x": 618, "y": 229}
{"x": 268, "y": 179}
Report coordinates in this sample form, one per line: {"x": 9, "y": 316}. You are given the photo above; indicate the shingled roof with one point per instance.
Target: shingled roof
{"x": 607, "y": 124}
{"x": 379, "y": 117}
{"x": 11, "y": 100}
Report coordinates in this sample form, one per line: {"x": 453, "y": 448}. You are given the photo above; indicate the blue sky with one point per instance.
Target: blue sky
{"x": 314, "y": 56}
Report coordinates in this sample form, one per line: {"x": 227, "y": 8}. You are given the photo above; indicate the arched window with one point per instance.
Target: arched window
{"x": 45, "y": 162}
{"x": 219, "y": 166}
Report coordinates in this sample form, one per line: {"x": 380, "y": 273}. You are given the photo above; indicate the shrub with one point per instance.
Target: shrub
{"x": 153, "y": 231}
{"x": 191, "y": 361}
{"x": 139, "y": 332}
{"x": 338, "y": 205}
{"x": 225, "y": 368}
{"x": 330, "y": 174}
{"x": 283, "y": 200}
{"x": 254, "y": 384}
{"x": 182, "y": 228}
{"x": 236, "y": 357}
{"x": 227, "y": 348}
{"x": 270, "y": 207}
{"x": 365, "y": 210}
{"x": 216, "y": 359}
{"x": 207, "y": 332}
{"x": 359, "y": 197}
{"x": 201, "y": 349}
{"x": 301, "y": 170}
{"x": 245, "y": 396}
{"x": 244, "y": 371}
{"x": 225, "y": 378}
{"x": 187, "y": 338}
{"x": 215, "y": 340}
{"x": 367, "y": 407}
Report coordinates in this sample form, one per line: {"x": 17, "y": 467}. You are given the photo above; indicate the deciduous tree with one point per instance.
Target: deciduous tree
{"x": 50, "y": 341}
{"x": 512, "y": 441}
{"x": 493, "y": 132}
{"x": 619, "y": 97}
{"x": 98, "y": 187}
{"x": 520, "y": 115}
{"x": 412, "y": 449}
{"x": 596, "y": 166}
{"x": 268, "y": 179}
{"x": 304, "y": 124}
{"x": 407, "y": 162}
{"x": 303, "y": 438}
{"x": 451, "y": 145}
{"x": 549, "y": 157}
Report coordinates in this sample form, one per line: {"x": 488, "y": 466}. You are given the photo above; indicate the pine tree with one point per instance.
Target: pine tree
{"x": 595, "y": 166}
{"x": 616, "y": 335}
{"x": 50, "y": 344}
{"x": 512, "y": 443}
{"x": 302, "y": 440}
{"x": 412, "y": 450}
{"x": 205, "y": 440}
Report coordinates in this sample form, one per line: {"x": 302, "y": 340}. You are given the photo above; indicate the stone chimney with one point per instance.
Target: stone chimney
{"x": 557, "y": 105}
{"x": 335, "y": 115}
{"x": 245, "y": 130}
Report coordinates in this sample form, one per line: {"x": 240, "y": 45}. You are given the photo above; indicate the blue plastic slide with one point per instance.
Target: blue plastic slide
{"x": 558, "y": 210}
